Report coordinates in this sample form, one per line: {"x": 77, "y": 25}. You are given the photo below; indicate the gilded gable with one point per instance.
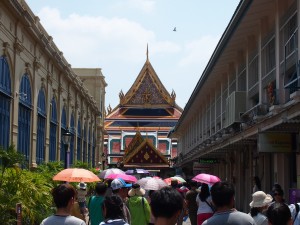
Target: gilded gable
{"x": 147, "y": 93}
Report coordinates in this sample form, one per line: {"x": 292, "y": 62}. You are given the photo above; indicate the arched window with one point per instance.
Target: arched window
{"x": 41, "y": 127}
{"x": 73, "y": 132}
{"x": 89, "y": 147}
{"x": 53, "y": 131}
{"x": 24, "y": 119}
{"x": 78, "y": 141}
{"x": 5, "y": 96}
{"x": 84, "y": 144}
{"x": 63, "y": 130}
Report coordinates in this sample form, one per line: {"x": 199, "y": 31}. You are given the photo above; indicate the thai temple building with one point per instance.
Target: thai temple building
{"x": 137, "y": 128}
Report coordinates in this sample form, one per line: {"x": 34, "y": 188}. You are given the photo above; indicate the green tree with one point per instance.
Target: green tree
{"x": 31, "y": 189}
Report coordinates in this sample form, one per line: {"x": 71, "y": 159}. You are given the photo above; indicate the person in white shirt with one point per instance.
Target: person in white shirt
{"x": 205, "y": 205}
{"x": 259, "y": 204}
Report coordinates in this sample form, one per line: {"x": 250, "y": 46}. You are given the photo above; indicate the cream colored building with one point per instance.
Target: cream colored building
{"x": 41, "y": 95}
{"x": 243, "y": 118}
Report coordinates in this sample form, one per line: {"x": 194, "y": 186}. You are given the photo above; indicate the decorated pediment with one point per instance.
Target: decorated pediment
{"x": 141, "y": 150}
{"x": 147, "y": 90}
{"x": 145, "y": 153}
{"x": 147, "y": 93}
{"x": 135, "y": 142}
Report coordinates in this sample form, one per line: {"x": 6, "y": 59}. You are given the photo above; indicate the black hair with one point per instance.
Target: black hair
{"x": 166, "y": 202}
{"x": 204, "y": 194}
{"x": 193, "y": 183}
{"x": 254, "y": 211}
{"x": 114, "y": 207}
{"x": 100, "y": 188}
{"x": 278, "y": 191}
{"x": 257, "y": 182}
{"x": 222, "y": 193}
{"x": 279, "y": 214}
{"x": 174, "y": 183}
{"x": 62, "y": 194}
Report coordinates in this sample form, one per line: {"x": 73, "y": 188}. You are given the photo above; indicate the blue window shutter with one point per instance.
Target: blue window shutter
{"x": 5, "y": 94}
{"x": 41, "y": 127}
{"x": 53, "y": 131}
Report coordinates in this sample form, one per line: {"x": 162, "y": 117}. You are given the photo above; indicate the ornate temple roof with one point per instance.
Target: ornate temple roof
{"x": 147, "y": 98}
{"x": 141, "y": 153}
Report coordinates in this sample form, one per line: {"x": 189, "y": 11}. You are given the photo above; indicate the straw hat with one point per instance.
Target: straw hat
{"x": 136, "y": 190}
{"x": 260, "y": 199}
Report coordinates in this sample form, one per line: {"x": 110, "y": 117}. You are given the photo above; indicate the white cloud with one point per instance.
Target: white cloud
{"x": 199, "y": 51}
{"x": 87, "y": 41}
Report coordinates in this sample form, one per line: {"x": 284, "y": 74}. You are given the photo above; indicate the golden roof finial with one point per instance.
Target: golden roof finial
{"x": 147, "y": 53}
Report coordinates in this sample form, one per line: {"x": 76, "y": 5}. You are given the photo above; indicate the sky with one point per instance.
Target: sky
{"x": 113, "y": 35}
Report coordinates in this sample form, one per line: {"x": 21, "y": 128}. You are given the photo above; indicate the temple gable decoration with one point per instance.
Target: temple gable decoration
{"x": 147, "y": 91}
{"x": 141, "y": 151}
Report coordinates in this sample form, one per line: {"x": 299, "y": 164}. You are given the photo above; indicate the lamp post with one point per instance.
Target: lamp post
{"x": 66, "y": 138}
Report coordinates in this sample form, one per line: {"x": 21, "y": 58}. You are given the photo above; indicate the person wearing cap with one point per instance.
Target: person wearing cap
{"x": 138, "y": 206}
{"x": 81, "y": 197}
{"x": 120, "y": 187}
{"x": 260, "y": 203}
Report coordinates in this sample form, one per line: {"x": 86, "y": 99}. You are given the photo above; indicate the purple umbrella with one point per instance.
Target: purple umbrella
{"x": 137, "y": 171}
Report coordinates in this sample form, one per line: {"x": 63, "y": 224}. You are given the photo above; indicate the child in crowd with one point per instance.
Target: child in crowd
{"x": 81, "y": 196}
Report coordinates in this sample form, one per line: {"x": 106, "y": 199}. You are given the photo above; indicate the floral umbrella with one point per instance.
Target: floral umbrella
{"x": 107, "y": 172}
{"x": 125, "y": 177}
{"x": 76, "y": 175}
{"x": 206, "y": 178}
{"x": 150, "y": 183}
{"x": 179, "y": 179}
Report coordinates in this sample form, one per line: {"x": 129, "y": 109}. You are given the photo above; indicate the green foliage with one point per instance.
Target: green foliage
{"x": 80, "y": 164}
{"x": 31, "y": 188}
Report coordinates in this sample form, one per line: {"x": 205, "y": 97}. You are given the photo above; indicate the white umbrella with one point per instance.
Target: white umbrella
{"x": 105, "y": 173}
{"x": 150, "y": 183}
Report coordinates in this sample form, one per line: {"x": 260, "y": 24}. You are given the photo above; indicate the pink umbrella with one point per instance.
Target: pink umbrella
{"x": 126, "y": 177}
{"x": 107, "y": 172}
{"x": 206, "y": 178}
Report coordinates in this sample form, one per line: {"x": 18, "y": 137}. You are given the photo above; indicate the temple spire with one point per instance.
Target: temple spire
{"x": 147, "y": 53}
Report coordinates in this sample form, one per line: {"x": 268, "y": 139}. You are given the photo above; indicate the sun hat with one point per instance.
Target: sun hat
{"x": 260, "y": 199}
{"x": 81, "y": 185}
{"x": 119, "y": 183}
{"x": 136, "y": 190}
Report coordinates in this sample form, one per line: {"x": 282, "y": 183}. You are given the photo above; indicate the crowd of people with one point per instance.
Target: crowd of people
{"x": 121, "y": 203}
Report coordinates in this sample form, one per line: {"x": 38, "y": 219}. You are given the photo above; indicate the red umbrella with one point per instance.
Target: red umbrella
{"x": 125, "y": 177}
{"x": 206, "y": 178}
